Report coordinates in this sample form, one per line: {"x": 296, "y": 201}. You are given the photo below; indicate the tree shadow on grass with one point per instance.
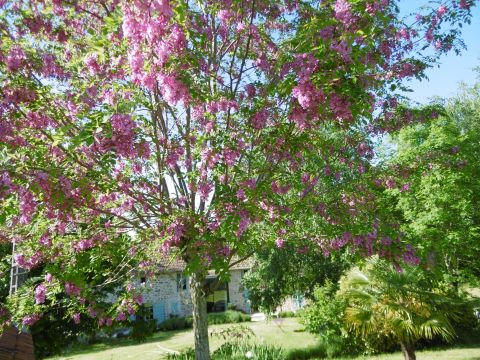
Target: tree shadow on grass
{"x": 108, "y": 344}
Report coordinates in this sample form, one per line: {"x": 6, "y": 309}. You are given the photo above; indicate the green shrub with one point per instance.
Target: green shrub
{"x": 287, "y": 314}
{"x": 142, "y": 329}
{"x": 228, "y": 317}
{"x": 176, "y": 323}
{"x": 231, "y": 306}
{"x": 324, "y": 316}
{"x": 310, "y": 352}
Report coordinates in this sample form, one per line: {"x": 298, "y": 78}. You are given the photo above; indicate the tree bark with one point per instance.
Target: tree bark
{"x": 200, "y": 318}
{"x": 408, "y": 351}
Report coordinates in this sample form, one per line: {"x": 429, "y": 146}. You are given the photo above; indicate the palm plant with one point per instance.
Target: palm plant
{"x": 400, "y": 306}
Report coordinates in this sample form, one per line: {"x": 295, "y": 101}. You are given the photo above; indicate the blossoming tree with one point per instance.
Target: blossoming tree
{"x": 198, "y": 129}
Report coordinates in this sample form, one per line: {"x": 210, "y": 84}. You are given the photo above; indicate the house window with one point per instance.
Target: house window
{"x": 143, "y": 280}
{"x": 181, "y": 282}
{"x": 148, "y": 314}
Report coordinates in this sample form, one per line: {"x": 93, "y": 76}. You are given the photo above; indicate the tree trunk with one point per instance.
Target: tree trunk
{"x": 408, "y": 351}
{"x": 200, "y": 318}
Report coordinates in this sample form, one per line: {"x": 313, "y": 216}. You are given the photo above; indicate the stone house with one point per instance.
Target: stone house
{"x": 168, "y": 294}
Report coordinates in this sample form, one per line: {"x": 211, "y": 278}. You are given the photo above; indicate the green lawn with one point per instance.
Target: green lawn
{"x": 279, "y": 332}
{"x": 472, "y": 353}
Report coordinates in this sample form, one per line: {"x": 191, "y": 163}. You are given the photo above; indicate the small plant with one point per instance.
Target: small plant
{"x": 247, "y": 351}
{"x": 234, "y": 333}
{"x": 231, "y": 306}
{"x": 188, "y": 354}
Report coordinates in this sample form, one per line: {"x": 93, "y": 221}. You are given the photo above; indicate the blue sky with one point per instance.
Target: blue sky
{"x": 444, "y": 80}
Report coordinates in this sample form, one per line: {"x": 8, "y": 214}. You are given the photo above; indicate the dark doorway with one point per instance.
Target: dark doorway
{"x": 217, "y": 299}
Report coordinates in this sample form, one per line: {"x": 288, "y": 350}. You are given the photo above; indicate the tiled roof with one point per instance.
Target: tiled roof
{"x": 177, "y": 264}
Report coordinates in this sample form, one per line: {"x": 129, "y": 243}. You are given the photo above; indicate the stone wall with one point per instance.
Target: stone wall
{"x": 237, "y": 293}
{"x": 168, "y": 298}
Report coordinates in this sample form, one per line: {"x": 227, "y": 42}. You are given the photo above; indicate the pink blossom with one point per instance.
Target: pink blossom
{"x": 121, "y": 316}
{"x": 38, "y": 120}
{"x": 240, "y": 27}
{"x": 83, "y": 245}
{"x": 340, "y": 107}
{"x": 251, "y": 90}
{"x": 15, "y": 58}
{"x": 48, "y": 278}
{"x": 343, "y": 49}
{"x": 40, "y": 294}
{"x": 76, "y": 318}
{"x": 91, "y": 63}
{"x": 225, "y": 15}
{"x": 241, "y": 194}
{"x": 45, "y": 240}
{"x": 244, "y": 222}
{"x": 342, "y": 11}
{"x": 122, "y": 124}
{"x": 441, "y": 11}
{"x": 307, "y": 94}
{"x": 173, "y": 90}
{"x": 205, "y": 188}
{"x": 259, "y": 120}
{"x": 279, "y": 243}
{"x": 71, "y": 289}
{"x": 91, "y": 312}
{"x": 28, "y": 207}
{"x": 390, "y": 183}
{"x": 464, "y": 4}
{"x": 299, "y": 117}
{"x": 230, "y": 156}
{"x": 30, "y": 320}
{"x": 138, "y": 298}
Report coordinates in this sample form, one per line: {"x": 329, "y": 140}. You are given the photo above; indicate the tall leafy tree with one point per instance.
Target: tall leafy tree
{"x": 435, "y": 188}
{"x": 204, "y": 130}
{"x": 288, "y": 271}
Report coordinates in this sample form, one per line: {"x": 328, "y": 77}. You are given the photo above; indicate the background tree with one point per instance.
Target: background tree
{"x": 287, "y": 271}
{"x": 201, "y": 130}
{"x": 435, "y": 189}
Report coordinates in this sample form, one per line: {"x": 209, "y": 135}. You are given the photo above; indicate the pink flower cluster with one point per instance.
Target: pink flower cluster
{"x": 40, "y": 294}
{"x": 30, "y": 320}
{"x": 307, "y": 94}
{"x": 343, "y": 13}
{"x": 173, "y": 90}
{"x": 259, "y": 120}
{"x": 29, "y": 263}
{"x": 28, "y": 206}
{"x": 71, "y": 289}
{"x": 83, "y": 245}
{"x": 340, "y": 107}
{"x": 123, "y": 135}
{"x": 16, "y": 58}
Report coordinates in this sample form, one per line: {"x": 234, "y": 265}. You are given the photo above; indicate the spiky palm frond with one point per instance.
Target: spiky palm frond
{"x": 380, "y": 300}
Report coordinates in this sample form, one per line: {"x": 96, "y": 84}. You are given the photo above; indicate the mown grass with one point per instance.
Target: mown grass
{"x": 285, "y": 333}
{"x": 279, "y": 332}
